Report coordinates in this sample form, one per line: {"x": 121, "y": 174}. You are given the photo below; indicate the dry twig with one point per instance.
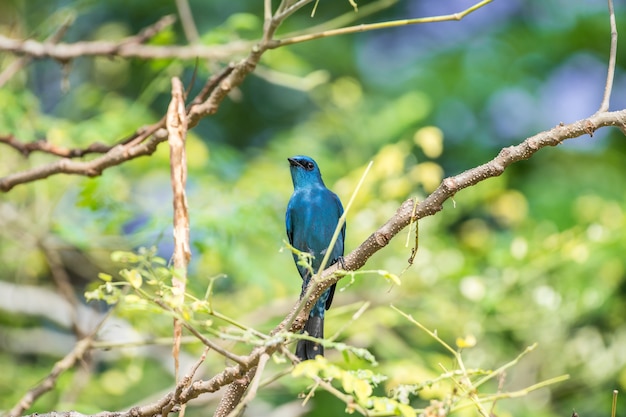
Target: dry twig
{"x": 81, "y": 349}
{"x": 176, "y": 123}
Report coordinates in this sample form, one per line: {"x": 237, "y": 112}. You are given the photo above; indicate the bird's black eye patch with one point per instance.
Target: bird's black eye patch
{"x": 309, "y": 166}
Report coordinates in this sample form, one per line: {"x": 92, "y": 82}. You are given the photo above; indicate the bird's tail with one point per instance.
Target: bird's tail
{"x": 307, "y": 349}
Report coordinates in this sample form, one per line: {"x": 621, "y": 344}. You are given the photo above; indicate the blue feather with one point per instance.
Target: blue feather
{"x": 311, "y": 219}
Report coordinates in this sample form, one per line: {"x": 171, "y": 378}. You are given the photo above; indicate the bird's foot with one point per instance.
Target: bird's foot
{"x": 341, "y": 262}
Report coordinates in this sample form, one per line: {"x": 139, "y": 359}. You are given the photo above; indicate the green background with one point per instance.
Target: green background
{"x": 536, "y": 255}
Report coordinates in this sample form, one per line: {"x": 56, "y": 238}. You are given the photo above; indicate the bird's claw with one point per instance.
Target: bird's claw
{"x": 341, "y": 262}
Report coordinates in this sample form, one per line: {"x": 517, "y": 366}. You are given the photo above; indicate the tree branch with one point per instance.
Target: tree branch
{"x": 42, "y": 145}
{"x": 132, "y": 47}
{"x": 81, "y": 349}
{"x": 18, "y": 64}
{"x": 145, "y": 141}
{"x": 375, "y": 26}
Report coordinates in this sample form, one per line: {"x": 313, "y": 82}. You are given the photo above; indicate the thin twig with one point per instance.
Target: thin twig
{"x": 186, "y": 20}
{"x": 612, "y": 58}
{"x": 348, "y": 323}
{"x": 151, "y": 31}
{"x": 375, "y": 26}
{"x": 505, "y": 366}
{"x": 184, "y": 383}
{"x": 62, "y": 281}
{"x": 351, "y": 403}
{"x": 227, "y": 354}
{"x": 82, "y": 347}
{"x": 18, "y": 64}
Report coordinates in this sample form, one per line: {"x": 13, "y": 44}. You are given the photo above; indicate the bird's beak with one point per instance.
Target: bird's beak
{"x": 293, "y": 162}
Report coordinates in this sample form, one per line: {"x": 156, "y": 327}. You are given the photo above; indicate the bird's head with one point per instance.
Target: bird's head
{"x": 304, "y": 171}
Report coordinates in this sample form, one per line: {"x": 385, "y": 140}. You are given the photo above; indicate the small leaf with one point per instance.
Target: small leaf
{"x": 390, "y": 277}
{"x": 132, "y": 276}
{"x": 124, "y": 257}
{"x": 406, "y": 410}
{"x": 105, "y": 277}
{"x": 93, "y": 295}
{"x": 133, "y": 299}
{"x": 468, "y": 341}
{"x": 307, "y": 368}
{"x": 362, "y": 389}
{"x": 158, "y": 260}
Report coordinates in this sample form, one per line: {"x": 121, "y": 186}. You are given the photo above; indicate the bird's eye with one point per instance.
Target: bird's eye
{"x": 309, "y": 166}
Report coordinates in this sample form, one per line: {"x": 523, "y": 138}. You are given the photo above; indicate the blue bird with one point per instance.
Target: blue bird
{"x": 312, "y": 216}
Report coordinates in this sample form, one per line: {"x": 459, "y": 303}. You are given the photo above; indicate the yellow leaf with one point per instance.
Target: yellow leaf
{"x": 466, "y": 342}
{"x": 132, "y": 276}
{"x": 362, "y": 389}
{"x": 406, "y": 410}
{"x": 309, "y": 369}
{"x": 393, "y": 278}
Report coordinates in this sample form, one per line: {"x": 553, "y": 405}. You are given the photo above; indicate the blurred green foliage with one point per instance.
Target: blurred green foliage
{"x": 536, "y": 255}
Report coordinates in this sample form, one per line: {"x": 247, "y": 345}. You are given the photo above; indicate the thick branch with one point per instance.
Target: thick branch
{"x": 406, "y": 213}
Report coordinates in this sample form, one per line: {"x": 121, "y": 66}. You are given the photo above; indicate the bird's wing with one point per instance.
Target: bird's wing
{"x": 342, "y": 236}
{"x": 338, "y": 249}
{"x": 288, "y": 224}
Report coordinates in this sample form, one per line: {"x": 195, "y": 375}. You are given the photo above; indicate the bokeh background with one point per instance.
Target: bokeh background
{"x": 536, "y": 255}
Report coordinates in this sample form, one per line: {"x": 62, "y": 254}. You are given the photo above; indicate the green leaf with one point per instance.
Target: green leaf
{"x": 393, "y": 278}
{"x": 132, "y": 276}
{"x": 124, "y": 257}
{"x": 105, "y": 277}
